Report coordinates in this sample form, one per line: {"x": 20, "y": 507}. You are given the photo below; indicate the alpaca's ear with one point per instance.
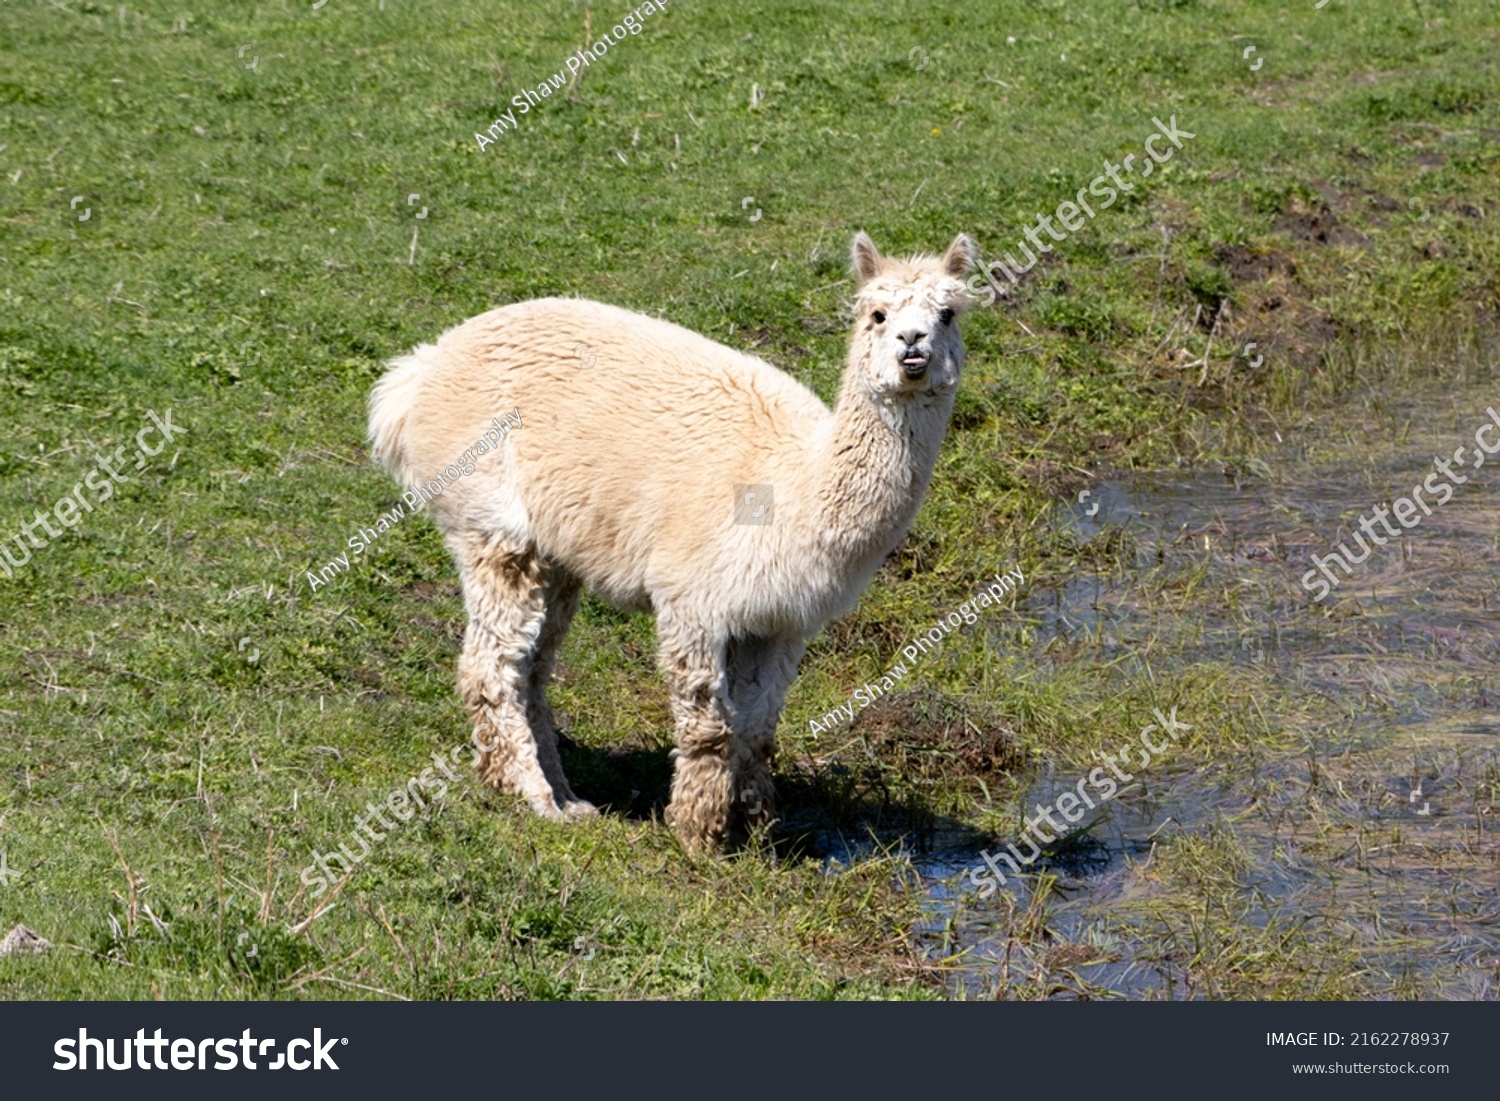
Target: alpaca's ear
{"x": 864, "y": 256}
{"x": 960, "y": 258}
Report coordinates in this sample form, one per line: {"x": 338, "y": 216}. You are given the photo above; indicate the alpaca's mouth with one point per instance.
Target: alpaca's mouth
{"x": 915, "y": 365}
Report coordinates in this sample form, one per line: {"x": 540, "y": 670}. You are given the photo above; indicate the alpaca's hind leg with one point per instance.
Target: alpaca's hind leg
{"x": 505, "y": 591}
{"x": 702, "y": 790}
{"x": 760, "y": 672}
{"x": 561, "y": 597}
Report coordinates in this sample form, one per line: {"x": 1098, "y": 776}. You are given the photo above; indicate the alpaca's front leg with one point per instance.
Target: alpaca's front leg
{"x": 702, "y": 785}
{"x": 760, "y": 672}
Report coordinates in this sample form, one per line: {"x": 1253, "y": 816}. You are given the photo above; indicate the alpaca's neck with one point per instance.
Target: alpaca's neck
{"x": 876, "y": 464}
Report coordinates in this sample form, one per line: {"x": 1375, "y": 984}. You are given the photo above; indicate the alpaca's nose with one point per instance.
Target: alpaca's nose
{"x": 911, "y": 337}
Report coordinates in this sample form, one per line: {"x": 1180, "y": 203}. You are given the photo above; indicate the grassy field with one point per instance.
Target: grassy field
{"x": 183, "y": 722}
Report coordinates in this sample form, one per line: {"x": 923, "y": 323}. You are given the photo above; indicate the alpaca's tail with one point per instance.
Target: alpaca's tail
{"x": 391, "y": 403}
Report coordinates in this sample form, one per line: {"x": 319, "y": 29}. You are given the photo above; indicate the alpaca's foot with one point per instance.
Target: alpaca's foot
{"x": 697, "y": 837}
{"x": 711, "y": 811}
{"x": 573, "y": 808}
{"x": 517, "y": 774}
{"x": 701, "y": 806}
{"x": 545, "y": 804}
{"x": 566, "y": 810}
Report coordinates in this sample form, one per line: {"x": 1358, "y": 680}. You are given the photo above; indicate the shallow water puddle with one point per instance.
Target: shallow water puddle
{"x": 1361, "y": 836}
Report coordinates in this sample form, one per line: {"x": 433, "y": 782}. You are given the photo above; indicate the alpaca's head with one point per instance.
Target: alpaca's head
{"x": 906, "y": 338}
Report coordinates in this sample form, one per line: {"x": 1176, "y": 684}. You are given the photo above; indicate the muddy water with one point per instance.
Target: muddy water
{"x": 1370, "y": 814}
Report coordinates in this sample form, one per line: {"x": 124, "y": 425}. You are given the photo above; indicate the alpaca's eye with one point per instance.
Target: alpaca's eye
{"x": 946, "y": 316}
{"x": 879, "y": 317}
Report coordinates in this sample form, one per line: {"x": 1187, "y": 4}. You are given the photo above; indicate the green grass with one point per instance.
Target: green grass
{"x": 245, "y": 264}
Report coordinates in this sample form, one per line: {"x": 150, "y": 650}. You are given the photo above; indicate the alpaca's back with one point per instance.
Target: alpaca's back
{"x": 634, "y": 434}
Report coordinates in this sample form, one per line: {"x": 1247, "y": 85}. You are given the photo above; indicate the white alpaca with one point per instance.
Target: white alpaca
{"x": 625, "y": 479}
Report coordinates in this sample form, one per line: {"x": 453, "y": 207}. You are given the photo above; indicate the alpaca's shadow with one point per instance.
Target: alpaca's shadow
{"x": 833, "y": 812}
{"x": 631, "y": 781}
{"x": 872, "y": 790}
{"x": 849, "y": 814}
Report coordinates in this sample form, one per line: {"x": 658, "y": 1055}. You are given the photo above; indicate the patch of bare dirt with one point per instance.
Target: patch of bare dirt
{"x": 1320, "y": 227}
{"x": 1274, "y": 314}
{"x": 1294, "y": 332}
{"x": 928, "y": 737}
{"x": 1462, "y": 209}
{"x": 1245, "y": 265}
